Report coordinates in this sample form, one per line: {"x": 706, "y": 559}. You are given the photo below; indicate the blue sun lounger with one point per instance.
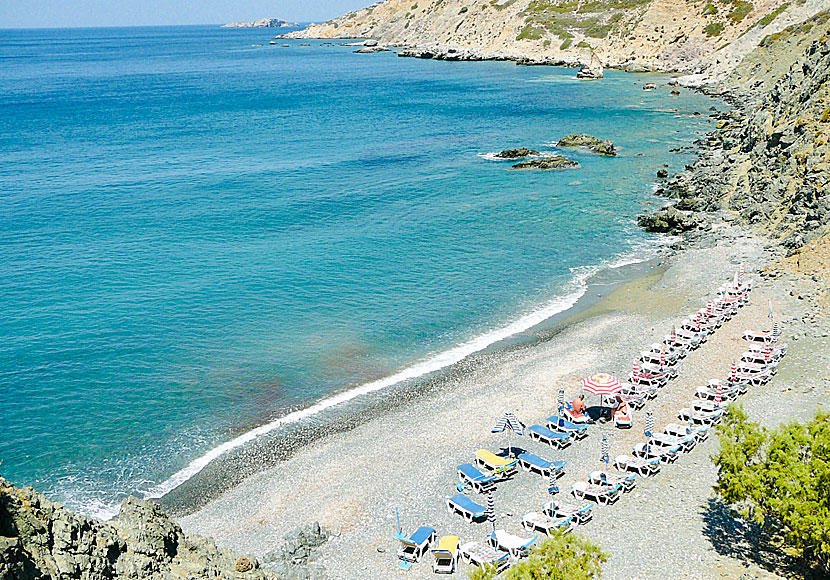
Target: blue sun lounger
{"x": 416, "y": 545}
{"x": 561, "y": 424}
{"x": 468, "y": 474}
{"x": 552, "y": 438}
{"x": 465, "y": 507}
{"x": 535, "y": 464}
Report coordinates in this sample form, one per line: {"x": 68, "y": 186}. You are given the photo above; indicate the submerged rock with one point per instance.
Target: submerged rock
{"x": 546, "y": 163}
{"x": 598, "y": 146}
{"x": 516, "y": 153}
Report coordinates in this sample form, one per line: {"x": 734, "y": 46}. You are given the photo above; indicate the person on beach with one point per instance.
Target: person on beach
{"x": 620, "y": 407}
{"x": 578, "y": 405}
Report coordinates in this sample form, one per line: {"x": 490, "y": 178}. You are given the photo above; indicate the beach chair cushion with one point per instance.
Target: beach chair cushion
{"x": 494, "y": 461}
{"x": 539, "y": 462}
{"x": 546, "y": 433}
{"x": 471, "y": 473}
{"x": 447, "y": 544}
{"x": 463, "y": 503}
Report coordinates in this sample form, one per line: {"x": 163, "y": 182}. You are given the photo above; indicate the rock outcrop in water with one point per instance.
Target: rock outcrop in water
{"x": 516, "y": 153}
{"x": 261, "y": 23}
{"x": 547, "y": 163}
{"x": 598, "y": 146}
{"x": 41, "y": 539}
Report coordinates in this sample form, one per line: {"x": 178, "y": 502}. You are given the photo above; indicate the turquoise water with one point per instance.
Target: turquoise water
{"x": 201, "y": 236}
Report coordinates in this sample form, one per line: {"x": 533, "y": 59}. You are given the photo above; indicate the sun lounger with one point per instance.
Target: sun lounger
{"x": 562, "y": 425}
{"x": 710, "y": 393}
{"x": 580, "y": 511}
{"x": 728, "y": 386}
{"x": 573, "y": 416}
{"x": 680, "y": 430}
{"x": 686, "y": 442}
{"x": 516, "y": 546}
{"x": 647, "y": 451}
{"x": 698, "y": 417}
{"x": 483, "y": 555}
{"x": 500, "y": 466}
{"x": 656, "y": 371}
{"x": 465, "y": 507}
{"x": 761, "y": 337}
{"x": 672, "y": 355}
{"x": 627, "y": 481}
{"x": 415, "y": 546}
{"x": 679, "y": 343}
{"x": 759, "y": 360}
{"x": 633, "y": 392}
{"x": 601, "y": 494}
{"x": 445, "y": 556}
{"x": 480, "y": 482}
{"x": 623, "y": 420}
{"x": 552, "y": 438}
{"x": 777, "y": 352}
{"x": 538, "y": 522}
{"x": 535, "y": 464}
{"x": 641, "y": 465}
{"x": 648, "y": 357}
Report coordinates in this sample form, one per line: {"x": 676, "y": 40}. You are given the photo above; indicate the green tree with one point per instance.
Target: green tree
{"x": 780, "y": 477}
{"x": 559, "y": 557}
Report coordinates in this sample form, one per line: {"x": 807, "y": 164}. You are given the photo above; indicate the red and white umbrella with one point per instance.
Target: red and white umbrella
{"x": 663, "y": 356}
{"x": 697, "y": 322}
{"x": 710, "y": 309}
{"x": 767, "y": 351}
{"x": 741, "y": 272}
{"x": 602, "y": 384}
{"x": 733, "y": 374}
{"x": 719, "y": 395}
{"x": 673, "y": 335}
{"x": 635, "y": 372}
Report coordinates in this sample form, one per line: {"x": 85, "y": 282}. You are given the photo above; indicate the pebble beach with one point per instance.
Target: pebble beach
{"x": 352, "y": 482}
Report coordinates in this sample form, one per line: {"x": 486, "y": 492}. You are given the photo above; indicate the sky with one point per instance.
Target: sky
{"x": 69, "y": 13}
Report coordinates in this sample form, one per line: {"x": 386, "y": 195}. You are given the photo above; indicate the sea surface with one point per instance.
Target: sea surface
{"x": 205, "y": 236}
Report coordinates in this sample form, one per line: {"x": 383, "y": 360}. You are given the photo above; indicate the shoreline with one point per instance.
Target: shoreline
{"x": 351, "y": 486}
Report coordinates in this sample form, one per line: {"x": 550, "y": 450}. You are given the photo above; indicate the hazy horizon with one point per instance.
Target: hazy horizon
{"x": 98, "y": 13}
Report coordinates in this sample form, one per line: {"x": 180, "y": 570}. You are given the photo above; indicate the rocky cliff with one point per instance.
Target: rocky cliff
{"x": 40, "y": 539}
{"x": 768, "y": 163}
{"x": 706, "y": 37}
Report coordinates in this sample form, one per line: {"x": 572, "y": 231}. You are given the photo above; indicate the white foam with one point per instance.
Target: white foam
{"x": 435, "y": 363}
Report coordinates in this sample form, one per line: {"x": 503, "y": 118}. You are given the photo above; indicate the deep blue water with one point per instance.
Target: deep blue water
{"x": 200, "y": 235}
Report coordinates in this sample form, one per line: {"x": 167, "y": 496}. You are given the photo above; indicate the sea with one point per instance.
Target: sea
{"x": 207, "y": 238}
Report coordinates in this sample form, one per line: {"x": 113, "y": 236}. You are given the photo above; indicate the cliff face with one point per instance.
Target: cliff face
{"x": 769, "y": 162}
{"x": 40, "y": 539}
{"x": 633, "y": 34}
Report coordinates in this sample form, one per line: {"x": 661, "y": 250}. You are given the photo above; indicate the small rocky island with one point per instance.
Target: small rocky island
{"x": 598, "y": 146}
{"x": 547, "y": 163}
{"x": 519, "y": 153}
{"x": 261, "y": 23}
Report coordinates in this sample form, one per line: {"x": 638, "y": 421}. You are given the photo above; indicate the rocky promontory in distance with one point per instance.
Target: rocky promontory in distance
{"x": 261, "y": 23}
{"x": 593, "y": 144}
{"x": 547, "y": 163}
{"x": 519, "y": 153}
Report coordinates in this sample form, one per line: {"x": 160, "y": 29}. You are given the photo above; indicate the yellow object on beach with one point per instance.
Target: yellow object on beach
{"x": 493, "y": 460}
{"x": 448, "y": 544}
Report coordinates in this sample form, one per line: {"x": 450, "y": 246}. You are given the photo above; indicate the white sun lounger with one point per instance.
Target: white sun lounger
{"x": 679, "y": 430}
{"x": 445, "y": 556}
{"x": 665, "y": 454}
{"x": 468, "y": 474}
{"x": 516, "y": 546}
{"x": 465, "y": 507}
{"x": 601, "y": 494}
{"x": 581, "y": 511}
{"x": 600, "y": 477}
{"x": 415, "y": 546}
{"x": 641, "y": 465}
{"x": 534, "y": 464}
{"x": 686, "y": 442}
{"x": 548, "y": 437}
{"x": 481, "y": 555}
{"x": 538, "y": 522}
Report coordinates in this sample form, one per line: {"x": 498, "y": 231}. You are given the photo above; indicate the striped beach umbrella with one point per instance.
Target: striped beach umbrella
{"x": 697, "y": 322}
{"x": 509, "y": 422}
{"x": 552, "y": 487}
{"x": 776, "y": 330}
{"x": 561, "y": 400}
{"x": 491, "y": 510}
{"x": 719, "y": 395}
{"x": 635, "y": 371}
{"x": 733, "y": 372}
{"x": 605, "y": 449}
{"x": 741, "y": 272}
{"x": 663, "y": 356}
{"x": 648, "y": 428}
{"x": 710, "y": 309}
{"x": 602, "y": 384}
{"x": 673, "y": 334}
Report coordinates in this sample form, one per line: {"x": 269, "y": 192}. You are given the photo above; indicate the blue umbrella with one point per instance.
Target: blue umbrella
{"x": 649, "y": 424}
{"x": 509, "y": 422}
{"x": 604, "y": 450}
{"x": 491, "y": 510}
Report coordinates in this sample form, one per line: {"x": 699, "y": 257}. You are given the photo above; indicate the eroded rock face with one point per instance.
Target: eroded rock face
{"x": 41, "y": 539}
{"x": 516, "y": 153}
{"x": 547, "y": 163}
{"x": 593, "y": 144}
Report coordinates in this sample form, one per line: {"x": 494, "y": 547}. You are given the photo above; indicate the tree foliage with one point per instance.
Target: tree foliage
{"x": 780, "y": 476}
{"x": 559, "y": 557}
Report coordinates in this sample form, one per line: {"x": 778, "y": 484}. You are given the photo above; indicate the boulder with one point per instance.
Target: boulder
{"x": 668, "y": 220}
{"x": 547, "y": 163}
{"x": 516, "y": 153}
{"x": 595, "y": 145}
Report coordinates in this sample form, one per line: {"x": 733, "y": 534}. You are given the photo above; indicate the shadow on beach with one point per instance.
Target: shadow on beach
{"x": 751, "y": 543}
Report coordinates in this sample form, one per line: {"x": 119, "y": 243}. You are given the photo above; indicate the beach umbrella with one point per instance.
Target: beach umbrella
{"x": 662, "y": 357}
{"x": 491, "y": 510}
{"x": 697, "y": 322}
{"x": 635, "y": 371}
{"x": 509, "y": 422}
{"x": 561, "y": 400}
{"x": 602, "y": 384}
{"x": 776, "y": 330}
{"x": 741, "y": 272}
{"x": 770, "y": 314}
{"x": 649, "y": 423}
{"x": 605, "y": 450}
{"x": 710, "y": 309}
{"x": 673, "y": 334}
{"x": 767, "y": 352}
{"x": 719, "y": 395}
{"x": 733, "y": 373}
{"x": 552, "y": 487}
